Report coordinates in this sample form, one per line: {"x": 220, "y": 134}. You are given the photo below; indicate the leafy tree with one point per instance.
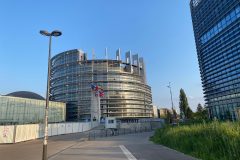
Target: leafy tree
{"x": 174, "y": 114}
{"x": 199, "y": 108}
{"x": 202, "y": 112}
{"x": 169, "y": 117}
{"x": 205, "y": 114}
{"x": 183, "y": 104}
{"x": 189, "y": 113}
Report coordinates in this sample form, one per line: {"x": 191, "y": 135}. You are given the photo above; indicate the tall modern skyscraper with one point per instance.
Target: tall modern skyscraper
{"x": 216, "y": 25}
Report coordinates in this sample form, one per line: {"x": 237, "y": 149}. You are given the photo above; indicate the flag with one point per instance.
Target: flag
{"x": 96, "y": 88}
{"x": 93, "y": 86}
{"x": 101, "y": 94}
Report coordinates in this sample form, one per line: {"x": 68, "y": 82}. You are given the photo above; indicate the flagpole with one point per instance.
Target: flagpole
{"x": 106, "y": 55}
{"x": 92, "y": 109}
{"x": 93, "y": 57}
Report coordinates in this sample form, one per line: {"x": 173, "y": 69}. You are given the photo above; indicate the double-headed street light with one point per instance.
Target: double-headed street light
{"x": 55, "y": 34}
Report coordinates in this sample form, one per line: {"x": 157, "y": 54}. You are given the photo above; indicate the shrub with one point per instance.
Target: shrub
{"x": 208, "y": 141}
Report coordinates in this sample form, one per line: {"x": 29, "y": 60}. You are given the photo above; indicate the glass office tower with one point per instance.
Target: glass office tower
{"x": 127, "y": 96}
{"x": 216, "y": 25}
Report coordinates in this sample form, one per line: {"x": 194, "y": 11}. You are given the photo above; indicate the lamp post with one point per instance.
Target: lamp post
{"x": 55, "y": 34}
{"x": 169, "y": 86}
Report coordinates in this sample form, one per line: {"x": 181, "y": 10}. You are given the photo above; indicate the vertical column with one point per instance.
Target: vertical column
{"x": 95, "y": 108}
{"x": 92, "y": 94}
{"x": 128, "y": 57}
{"x": 136, "y": 62}
{"x": 107, "y": 101}
{"x": 118, "y": 54}
{"x": 129, "y": 61}
{"x": 142, "y": 69}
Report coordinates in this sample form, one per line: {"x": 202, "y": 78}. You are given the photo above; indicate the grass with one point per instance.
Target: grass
{"x": 207, "y": 141}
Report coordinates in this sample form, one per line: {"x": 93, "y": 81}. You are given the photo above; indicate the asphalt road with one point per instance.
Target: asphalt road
{"x": 71, "y": 147}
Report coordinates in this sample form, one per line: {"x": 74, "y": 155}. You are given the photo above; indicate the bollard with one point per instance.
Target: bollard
{"x": 89, "y": 136}
{"x": 112, "y": 132}
{"x": 106, "y": 133}
{"x": 94, "y": 136}
{"x": 124, "y": 131}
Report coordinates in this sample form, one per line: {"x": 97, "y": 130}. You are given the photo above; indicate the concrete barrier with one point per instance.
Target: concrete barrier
{"x": 7, "y": 134}
{"x": 54, "y": 129}
{"x": 69, "y": 128}
{"x": 75, "y": 127}
{"x": 40, "y": 131}
{"x": 20, "y": 133}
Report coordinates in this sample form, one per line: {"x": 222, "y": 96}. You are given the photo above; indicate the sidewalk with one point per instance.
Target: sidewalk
{"x": 123, "y": 147}
{"x": 77, "y": 146}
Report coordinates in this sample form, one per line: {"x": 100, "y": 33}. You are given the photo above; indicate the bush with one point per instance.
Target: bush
{"x": 208, "y": 141}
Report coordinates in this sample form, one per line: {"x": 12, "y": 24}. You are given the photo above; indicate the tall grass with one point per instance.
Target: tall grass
{"x": 207, "y": 141}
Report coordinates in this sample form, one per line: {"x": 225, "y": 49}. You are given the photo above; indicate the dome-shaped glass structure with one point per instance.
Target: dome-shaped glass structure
{"x": 25, "y": 94}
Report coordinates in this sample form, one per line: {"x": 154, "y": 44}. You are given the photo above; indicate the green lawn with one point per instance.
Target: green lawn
{"x": 207, "y": 141}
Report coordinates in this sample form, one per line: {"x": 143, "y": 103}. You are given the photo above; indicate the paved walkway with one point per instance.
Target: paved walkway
{"x": 70, "y": 147}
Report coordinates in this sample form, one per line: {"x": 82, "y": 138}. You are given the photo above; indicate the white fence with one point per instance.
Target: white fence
{"x": 20, "y": 133}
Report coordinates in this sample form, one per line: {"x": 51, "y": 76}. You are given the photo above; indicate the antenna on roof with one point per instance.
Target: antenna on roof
{"x": 106, "y": 53}
{"x": 93, "y": 54}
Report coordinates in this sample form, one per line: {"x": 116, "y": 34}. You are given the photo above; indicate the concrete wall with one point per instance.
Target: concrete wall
{"x": 20, "y": 133}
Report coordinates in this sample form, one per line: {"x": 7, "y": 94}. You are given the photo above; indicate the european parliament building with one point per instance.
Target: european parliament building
{"x": 126, "y": 93}
{"x": 216, "y": 25}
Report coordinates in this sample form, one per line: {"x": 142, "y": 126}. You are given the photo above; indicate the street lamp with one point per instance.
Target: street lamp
{"x": 55, "y": 34}
{"x": 169, "y": 86}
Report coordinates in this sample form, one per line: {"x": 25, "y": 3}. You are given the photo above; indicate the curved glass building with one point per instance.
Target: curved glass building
{"x": 127, "y": 95}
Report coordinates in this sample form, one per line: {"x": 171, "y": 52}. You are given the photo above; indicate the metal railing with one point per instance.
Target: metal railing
{"x": 101, "y": 133}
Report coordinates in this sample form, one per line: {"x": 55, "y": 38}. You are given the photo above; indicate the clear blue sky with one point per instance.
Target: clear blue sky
{"x": 159, "y": 30}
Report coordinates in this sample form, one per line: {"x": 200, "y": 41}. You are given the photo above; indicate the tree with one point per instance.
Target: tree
{"x": 174, "y": 114}
{"x": 189, "y": 113}
{"x": 169, "y": 117}
{"x": 202, "y": 112}
{"x": 183, "y": 104}
{"x": 199, "y": 108}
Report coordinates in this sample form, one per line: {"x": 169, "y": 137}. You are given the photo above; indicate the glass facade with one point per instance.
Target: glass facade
{"x": 217, "y": 35}
{"x": 126, "y": 93}
{"x": 15, "y": 110}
